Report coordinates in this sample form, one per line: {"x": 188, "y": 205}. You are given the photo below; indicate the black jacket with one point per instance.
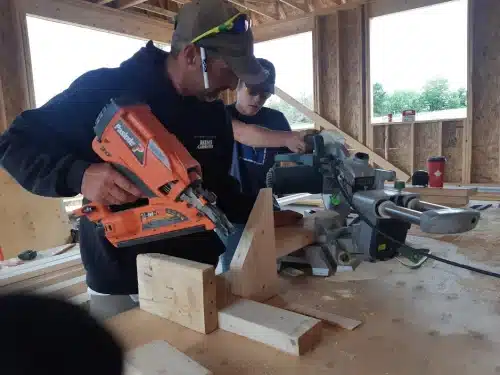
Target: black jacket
{"x": 48, "y": 149}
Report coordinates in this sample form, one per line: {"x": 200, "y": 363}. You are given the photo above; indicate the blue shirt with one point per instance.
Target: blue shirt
{"x": 251, "y": 164}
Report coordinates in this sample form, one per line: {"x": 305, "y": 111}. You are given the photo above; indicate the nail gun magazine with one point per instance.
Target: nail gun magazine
{"x": 136, "y": 143}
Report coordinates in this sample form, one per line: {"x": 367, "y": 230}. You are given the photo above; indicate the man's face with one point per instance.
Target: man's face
{"x": 220, "y": 75}
{"x": 250, "y": 102}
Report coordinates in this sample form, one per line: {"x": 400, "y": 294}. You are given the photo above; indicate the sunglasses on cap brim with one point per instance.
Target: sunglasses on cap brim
{"x": 238, "y": 24}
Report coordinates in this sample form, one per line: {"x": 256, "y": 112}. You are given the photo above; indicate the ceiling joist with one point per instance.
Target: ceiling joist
{"x": 157, "y": 10}
{"x": 124, "y": 4}
{"x": 271, "y": 18}
{"x": 261, "y": 11}
{"x": 294, "y": 5}
{"x": 253, "y": 8}
{"x": 280, "y": 10}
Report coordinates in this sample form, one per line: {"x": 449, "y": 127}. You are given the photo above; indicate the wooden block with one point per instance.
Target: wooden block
{"x": 331, "y": 318}
{"x": 179, "y": 290}
{"x": 284, "y": 330}
{"x": 225, "y": 296}
{"x": 253, "y": 272}
{"x": 159, "y": 357}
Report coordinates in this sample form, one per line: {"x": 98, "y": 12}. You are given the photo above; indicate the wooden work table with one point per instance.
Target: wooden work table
{"x": 434, "y": 320}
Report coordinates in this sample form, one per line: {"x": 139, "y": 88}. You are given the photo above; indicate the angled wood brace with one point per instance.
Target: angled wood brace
{"x": 253, "y": 272}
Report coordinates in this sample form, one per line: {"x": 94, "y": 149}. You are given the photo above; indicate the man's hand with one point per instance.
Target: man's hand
{"x": 287, "y": 217}
{"x": 295, "y": 140}
{"x": 103, "y": 184}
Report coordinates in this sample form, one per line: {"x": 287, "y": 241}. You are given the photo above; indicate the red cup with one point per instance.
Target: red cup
{"x": 435, "y": 168}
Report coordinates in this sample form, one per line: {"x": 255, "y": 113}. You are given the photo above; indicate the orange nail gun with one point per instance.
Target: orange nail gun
{"x": 134, "y": 141}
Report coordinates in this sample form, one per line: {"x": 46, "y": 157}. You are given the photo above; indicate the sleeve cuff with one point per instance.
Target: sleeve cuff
{"x": 75, "y": 175}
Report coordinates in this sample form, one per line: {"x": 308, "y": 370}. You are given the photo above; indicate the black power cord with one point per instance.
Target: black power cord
{"x": 417, "y": 251}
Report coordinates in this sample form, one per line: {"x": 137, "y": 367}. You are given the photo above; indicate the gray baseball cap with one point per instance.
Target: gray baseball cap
{"x": 236, "y": 49}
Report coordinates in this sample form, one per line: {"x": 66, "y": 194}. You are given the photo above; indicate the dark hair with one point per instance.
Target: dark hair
{"x": 43, "y": 336}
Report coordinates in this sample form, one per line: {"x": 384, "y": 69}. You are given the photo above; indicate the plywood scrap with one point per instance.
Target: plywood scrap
{"x": 159, "y": 357}
{"x": 331, "y": 318}
{"x": 179, "y": 290}
{"x": 253, "y": 272}
{"x": 283, "y": 330}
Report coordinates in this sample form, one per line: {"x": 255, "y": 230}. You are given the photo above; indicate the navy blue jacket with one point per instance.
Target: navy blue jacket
{"x": 48, "y": 149}
{"x": 251, "y": 164}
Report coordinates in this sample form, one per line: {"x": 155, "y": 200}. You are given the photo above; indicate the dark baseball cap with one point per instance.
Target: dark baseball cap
{"x": 236, "y": 49}
{"x": 268, "y": 84}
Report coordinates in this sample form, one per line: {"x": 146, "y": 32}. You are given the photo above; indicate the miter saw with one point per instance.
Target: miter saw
{"x": 363, "y": 220}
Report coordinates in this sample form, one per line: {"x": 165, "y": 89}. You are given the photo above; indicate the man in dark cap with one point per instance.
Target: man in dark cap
{"x": 261, "y": 133}
{"x": 48, "y": 150}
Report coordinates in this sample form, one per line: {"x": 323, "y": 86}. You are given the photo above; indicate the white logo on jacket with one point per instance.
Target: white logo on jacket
{"x": 205, "y": 144}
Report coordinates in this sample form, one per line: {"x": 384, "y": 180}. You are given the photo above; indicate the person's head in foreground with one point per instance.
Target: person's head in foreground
{"x": 250, "y": 99}
{"x": 44, "y": 336}
{"x": 212, "y": 48}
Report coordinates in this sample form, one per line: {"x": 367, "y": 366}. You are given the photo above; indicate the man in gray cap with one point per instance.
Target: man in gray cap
{"x": 48, "y": 150}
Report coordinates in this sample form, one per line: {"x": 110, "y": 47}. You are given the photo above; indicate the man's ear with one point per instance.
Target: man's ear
{"x": 191, "y": 55}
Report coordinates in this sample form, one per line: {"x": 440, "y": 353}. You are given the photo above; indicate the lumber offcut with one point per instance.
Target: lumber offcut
{"x": 284, "y": 330}
{"x": 331, "y": 318}
{"x": 159, "y": 357}
{"x": 252, "y": 273}
{"x": 177, "y": 289}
